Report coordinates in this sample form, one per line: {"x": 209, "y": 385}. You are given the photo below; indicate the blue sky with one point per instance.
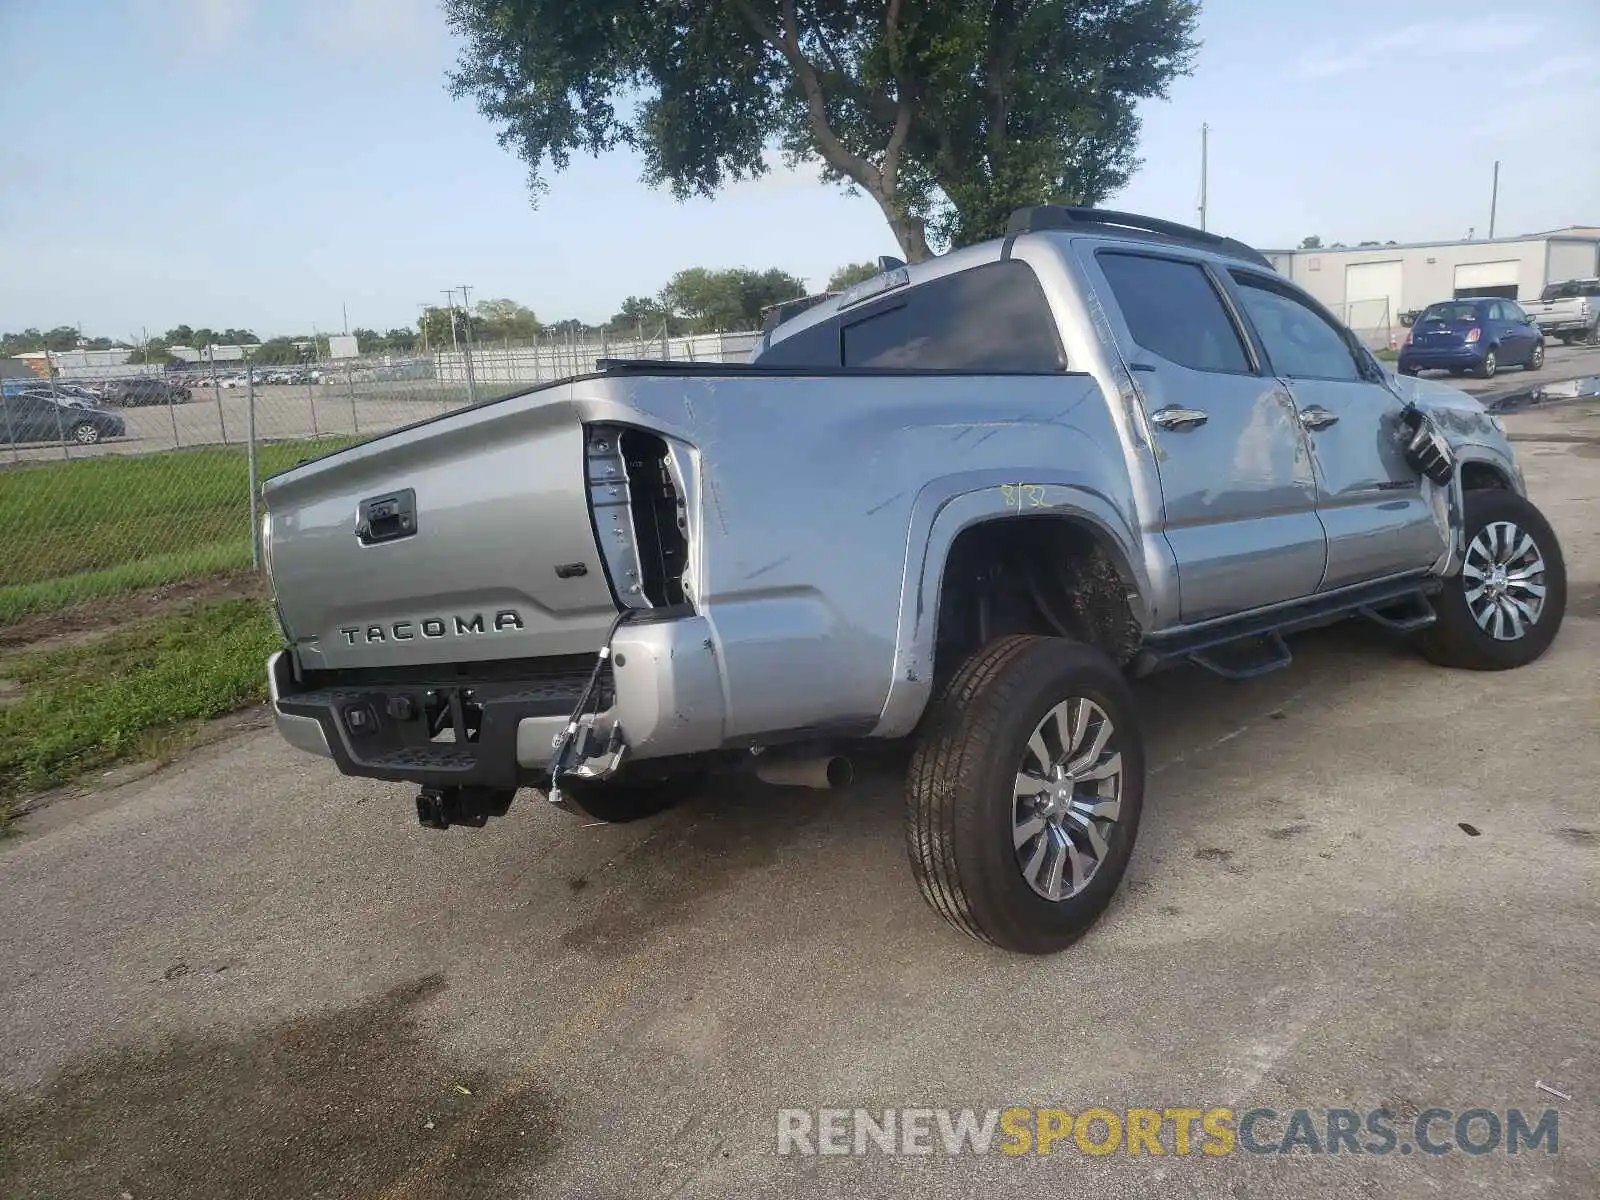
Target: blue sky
{"x": 259, "y": 163}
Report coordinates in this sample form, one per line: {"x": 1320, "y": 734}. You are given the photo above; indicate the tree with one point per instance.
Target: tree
{"x": 180, "y": 335}
{"x": 721, "y": 301}
{"x": 1311, "y": 243}
{"x": 505, "y": 319}
{"x": 948, "y": 113}
{"x": 639, "y": 315}
{"x": 402, "y": 340}
{"x": 851, "y": 274}
{"x": 435, "y": 324}
{"x": 370, "y": 341}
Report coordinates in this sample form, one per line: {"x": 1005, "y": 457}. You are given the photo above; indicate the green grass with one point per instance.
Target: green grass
{"x": 103, "y": 526}
{"x": 135, "y": 693}
{"x": 1387, "y": 355}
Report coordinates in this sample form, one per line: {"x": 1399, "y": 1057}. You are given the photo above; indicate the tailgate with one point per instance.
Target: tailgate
{"x": 464, "y": 539}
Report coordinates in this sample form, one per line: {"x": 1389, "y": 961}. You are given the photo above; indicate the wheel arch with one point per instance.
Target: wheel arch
{"x": 989, "y": 517}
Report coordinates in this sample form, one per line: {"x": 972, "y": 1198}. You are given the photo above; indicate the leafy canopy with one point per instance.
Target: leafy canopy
{"x": 949, "y": 113}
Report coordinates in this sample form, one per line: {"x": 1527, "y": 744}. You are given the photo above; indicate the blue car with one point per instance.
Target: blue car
{"x": 1480, "y": 334}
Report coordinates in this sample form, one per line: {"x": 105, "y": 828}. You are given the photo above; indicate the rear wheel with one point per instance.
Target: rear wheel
{"x": 1490, "y": 364}
{"x": 85, "y": 433}
{"x": 1503, "y": 610}
{"x": 634, "y": 794}
{"x": 1408, "y": 370}
{"x": 1536, "y": 359}
{"x": 1024, "y": 793}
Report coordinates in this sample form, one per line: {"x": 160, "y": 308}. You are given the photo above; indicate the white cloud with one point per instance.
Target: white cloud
{"x": 1421, "y": 39}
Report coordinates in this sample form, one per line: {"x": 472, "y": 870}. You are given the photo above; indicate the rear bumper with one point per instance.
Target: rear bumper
{"x": 1443, "y": 359}
{"x": 662, "y": 691}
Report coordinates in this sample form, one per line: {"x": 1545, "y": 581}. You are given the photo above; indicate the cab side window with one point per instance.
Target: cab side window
{"x": 990, "y": 319}
{"x": 1173, "y": 309}
{"x": 1300, "y": 341}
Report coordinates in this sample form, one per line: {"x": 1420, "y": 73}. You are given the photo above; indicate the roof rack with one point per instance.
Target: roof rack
{"x": 1062, "y": 216}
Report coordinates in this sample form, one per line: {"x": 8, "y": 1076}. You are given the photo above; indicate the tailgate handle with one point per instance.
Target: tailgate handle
{"x": 387, "y": 518}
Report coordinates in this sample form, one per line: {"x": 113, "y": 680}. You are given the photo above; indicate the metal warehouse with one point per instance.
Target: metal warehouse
{"x": 1370, "y": 286}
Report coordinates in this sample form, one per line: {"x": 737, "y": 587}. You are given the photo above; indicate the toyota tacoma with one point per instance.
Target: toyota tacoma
{"x": 961, "y": 503}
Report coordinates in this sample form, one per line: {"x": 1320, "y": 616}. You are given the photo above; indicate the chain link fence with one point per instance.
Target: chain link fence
{"x": 1371, "y": 321}
{"x": 115, "y": 479}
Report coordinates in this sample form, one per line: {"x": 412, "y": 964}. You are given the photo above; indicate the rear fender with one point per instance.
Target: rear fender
{"x": 947, "y": 507}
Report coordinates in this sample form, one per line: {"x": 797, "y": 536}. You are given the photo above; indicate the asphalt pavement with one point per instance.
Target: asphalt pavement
{"x": 1361, "y": 882}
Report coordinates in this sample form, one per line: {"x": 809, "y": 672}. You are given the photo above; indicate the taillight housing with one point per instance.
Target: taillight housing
{"x": 1474, "y": 334}
{"x": 640, "y": 515}
{"x": 1409, "y": 336}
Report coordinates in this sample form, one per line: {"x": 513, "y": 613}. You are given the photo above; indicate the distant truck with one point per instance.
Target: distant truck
{"x": 1569, "y": 311}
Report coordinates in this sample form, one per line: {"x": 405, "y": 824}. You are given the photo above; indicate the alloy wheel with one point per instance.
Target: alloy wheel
{"x": 1503, "y": 574}
{"x": 1068, "y": 798}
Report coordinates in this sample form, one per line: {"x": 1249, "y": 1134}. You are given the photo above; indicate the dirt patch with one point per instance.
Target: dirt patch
{"x": 356, "y": 1102}
{"x": 94, "y": 618}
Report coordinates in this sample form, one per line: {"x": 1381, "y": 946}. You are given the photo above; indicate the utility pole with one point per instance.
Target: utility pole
{"x": 423, "y": 321}
{"x": 472, "y": 382}
{"x": 1204, "y": 132}
{"x": 345, "y": 309}
{"x": 1494, "y": 197}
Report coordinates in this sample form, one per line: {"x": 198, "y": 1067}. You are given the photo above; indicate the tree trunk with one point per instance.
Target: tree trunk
{"x": 909, "y": 231}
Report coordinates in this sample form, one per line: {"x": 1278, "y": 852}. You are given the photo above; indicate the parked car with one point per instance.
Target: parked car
{"x": 961, "y": 502}
{"x": 35, "y": 417}
{"x": 62, "y": 396}
{"x": 1569, "y": 311}
{"x": 131, "y": 393}
{"x": 1479, "y": 334}
{"x": 83, "y": 395}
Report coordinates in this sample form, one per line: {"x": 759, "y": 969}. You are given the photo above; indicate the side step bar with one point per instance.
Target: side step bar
{"x": 1399, "y": 605}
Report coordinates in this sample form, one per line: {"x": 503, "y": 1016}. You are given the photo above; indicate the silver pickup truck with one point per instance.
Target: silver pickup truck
{"x": 1569, "y": 311}
{"x": 961, "y": 503}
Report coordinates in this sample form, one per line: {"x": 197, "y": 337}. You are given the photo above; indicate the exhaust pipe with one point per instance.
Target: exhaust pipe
{"x": 824, "y": 773}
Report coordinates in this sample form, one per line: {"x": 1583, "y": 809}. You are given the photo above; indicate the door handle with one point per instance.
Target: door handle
{"x": 1318, "y": 418}
{"x": 1179, "y": 418}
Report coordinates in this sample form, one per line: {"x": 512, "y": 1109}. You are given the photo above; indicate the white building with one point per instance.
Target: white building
{"x": 1370, "y": 286}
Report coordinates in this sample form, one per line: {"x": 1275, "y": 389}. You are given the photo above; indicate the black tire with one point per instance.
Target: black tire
{"x": 961, "y": 791}
{"x": 1409, "y": 370}
{"x": 1455, "y": 639}
{"x": 86, "y": 433}
{"x": 1592, "y": 336}
{"x": 1536, "y": 358}
{"x": 633, "y": 795}
{"x": 1490, "y": 364}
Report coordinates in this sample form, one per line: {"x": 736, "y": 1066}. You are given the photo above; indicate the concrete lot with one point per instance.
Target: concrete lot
{"x": 249, "y": 977}
{"x": 216, "y": 416}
